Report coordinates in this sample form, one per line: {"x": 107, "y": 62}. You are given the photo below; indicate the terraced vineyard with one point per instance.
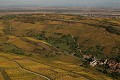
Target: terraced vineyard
{"x": 25, "y": 68}
{"x": 12, "y": 71}
{"x": 33, "y": 47}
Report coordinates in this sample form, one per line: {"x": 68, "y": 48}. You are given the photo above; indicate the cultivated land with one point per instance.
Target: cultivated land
{"x": 51, "y": 46}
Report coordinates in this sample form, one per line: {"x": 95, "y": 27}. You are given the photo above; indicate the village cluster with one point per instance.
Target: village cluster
{"x": 112, "y": 65}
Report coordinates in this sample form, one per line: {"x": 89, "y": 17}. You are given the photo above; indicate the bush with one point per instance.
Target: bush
{"x": 115, "y": 75}
{"x": 8, "y": 47}
{"x": 17, "y": 51}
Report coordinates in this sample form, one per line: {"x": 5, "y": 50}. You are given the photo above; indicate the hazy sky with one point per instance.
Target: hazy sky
{"x": 108, "y": 3}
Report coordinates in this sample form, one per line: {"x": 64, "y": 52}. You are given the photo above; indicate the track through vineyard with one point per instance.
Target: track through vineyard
{"x": 26, "y": 69}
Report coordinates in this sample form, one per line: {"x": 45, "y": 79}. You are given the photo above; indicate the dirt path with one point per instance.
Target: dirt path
{"x": 4, "y": 74}
{"x": 31, "y": 71}
{"x": 27, "y": 69}
{"x": 77, "y": 45}
{"x": 70, "y": 71}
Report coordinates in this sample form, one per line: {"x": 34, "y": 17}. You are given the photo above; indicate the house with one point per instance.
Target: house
{"x": 88, "y": 58}
{"x": 94, "y": 63}
{"x": 112, "y": 64}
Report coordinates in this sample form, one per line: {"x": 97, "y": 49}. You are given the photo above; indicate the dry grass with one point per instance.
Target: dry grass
{"x": 14, "y": 71}
{"x": 59, "y": 67}
{"x": 38, "y": 41}
{"x": 1, "y": 76}
{"x": 56, "y": 70}
{"x": 21, "y": 44}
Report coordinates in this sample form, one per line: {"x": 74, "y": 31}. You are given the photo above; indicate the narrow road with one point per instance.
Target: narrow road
{"x": 72, "y": 21}
{"x": 78, "y": 45}
{"x": 30, "y": 71}
{"x": 70, "y": 71}
{"x": 4, "y": 74}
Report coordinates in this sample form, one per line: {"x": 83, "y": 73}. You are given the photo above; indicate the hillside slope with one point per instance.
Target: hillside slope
{"x": 52, "y": 47}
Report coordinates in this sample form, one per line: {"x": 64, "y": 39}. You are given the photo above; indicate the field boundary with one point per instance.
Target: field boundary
{"x": 43, "y": 76}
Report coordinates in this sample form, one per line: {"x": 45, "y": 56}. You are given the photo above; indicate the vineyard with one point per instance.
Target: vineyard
{"x": 52, "y": 47}
{"x": 60, "y": 70}
{"x": 14, "y": 72}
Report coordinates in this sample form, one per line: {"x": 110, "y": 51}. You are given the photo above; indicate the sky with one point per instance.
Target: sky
{"x": 88, "y": 3}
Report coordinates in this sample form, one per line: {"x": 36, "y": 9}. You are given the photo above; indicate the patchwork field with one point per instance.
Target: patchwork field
{"x": 11, "y": 71}
{"x": 25, "y": 68}
{"x": 52, "y": 46}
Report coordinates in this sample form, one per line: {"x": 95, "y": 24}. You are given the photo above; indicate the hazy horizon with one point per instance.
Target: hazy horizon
{"x": 45, "y": 3}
